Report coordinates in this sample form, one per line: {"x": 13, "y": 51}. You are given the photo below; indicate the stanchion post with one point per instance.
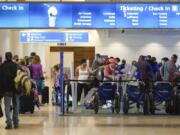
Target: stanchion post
{"x": 61, "y": 82}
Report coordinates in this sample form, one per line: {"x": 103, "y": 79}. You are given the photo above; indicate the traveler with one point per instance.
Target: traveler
{"x": 16, "y": 58}
{"x": 37, "y": 75}
{"x": 97, "y": 61}
{"x": 109, "y": 70}
{"x": 174, "y": 75}
{"x": 164, "y": 69}
{"x": 22, "y": 64}
{"x": 122, "y": 67}
{"x": 142, "y": 68}
{"x": 8, "y": 73}
{"x": 0, "y": 59}
{"x": 130, "y": 71}
{"x": 82, "y": 71}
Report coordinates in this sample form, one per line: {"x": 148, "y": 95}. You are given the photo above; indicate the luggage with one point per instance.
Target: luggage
{"x": 88, "y": 100}
{"x": 45, "y": 95}
{"x": 27, "y": 104}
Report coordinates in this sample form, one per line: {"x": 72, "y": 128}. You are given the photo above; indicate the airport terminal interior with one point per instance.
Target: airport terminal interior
{"x": 77, "y": 30}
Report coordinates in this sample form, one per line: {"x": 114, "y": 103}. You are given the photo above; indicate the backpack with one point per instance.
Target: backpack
{"x": 23, "y": 83}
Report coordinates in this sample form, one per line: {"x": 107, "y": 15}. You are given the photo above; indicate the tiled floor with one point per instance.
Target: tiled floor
{"x": 47, "y": 122}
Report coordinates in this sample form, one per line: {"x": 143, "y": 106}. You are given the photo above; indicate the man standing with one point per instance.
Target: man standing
{"x": 174, "y": 75}
{"x": 97, "y": 61}
{"x": 8, "y": 73}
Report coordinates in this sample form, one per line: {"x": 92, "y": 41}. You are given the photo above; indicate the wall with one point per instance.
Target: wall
{"x": 132, "y": 43}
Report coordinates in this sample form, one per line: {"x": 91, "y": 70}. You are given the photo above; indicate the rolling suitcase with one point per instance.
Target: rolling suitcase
{"x": 27, "y": 104}
{"x": 45, "y": 95}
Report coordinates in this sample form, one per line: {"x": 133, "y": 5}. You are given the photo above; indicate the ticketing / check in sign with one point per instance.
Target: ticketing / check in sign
{"x": 56, "y": 37}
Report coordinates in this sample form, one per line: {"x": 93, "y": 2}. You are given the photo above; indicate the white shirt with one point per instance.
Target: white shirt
{"x": 83, "y": 75}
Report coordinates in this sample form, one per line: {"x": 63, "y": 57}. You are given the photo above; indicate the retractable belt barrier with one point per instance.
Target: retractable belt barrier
{"x": 74, "y": 83}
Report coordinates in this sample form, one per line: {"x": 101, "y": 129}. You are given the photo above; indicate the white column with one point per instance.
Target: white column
{"x": 5, "y": 40}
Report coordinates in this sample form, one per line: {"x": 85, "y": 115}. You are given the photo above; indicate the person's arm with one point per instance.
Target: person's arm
{"x": 176, "y": 74}
{"x": 77, "y": 71}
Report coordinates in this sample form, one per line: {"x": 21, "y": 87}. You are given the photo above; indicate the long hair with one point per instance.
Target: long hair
{"x": 36, "y": 60}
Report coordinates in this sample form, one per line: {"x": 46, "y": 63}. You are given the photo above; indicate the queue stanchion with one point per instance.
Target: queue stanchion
{"x": 61, "y": 82}
{"x": 67, "y": 98}
{"x": 74, "y": 96}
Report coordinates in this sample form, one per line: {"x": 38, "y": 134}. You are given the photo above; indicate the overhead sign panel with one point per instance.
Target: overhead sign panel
{"x": 57, "y": 37}
{"x": 14, "y": 15}
{"x": 77, "y": 37}
{"x": 50, "y": 15}
{"x": 94, "y": 16}
{"x": 89, "y": 15}
{"x": 30, "y": 37}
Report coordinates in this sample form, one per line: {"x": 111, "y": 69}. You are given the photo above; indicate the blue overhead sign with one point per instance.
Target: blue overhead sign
{"x": 57, "y": 37}
{"x": 14, "y": 15}
{"x": 75, "y": 37}
{"x": 94, "y": 16}
{"x": 89, "y": 15}
{"x": 34, "y": 37}
{"x": 50, "y": 15}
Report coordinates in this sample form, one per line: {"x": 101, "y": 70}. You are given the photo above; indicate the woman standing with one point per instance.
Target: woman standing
{"x": 82, "y": 71}
{"x": 37, "y": 75}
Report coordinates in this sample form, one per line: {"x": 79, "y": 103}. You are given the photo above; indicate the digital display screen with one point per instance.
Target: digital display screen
{"x": 89, "y": 15}
{"x": 136, "y": 16}
{"x": 57, "y": 37}
{"x": 148, "y": 15}
{"x": 94, "y": 16}
{"x": 50, "y": 15}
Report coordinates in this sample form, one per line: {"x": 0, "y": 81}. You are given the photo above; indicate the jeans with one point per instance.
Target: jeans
{"x": 15, "y": 102}
{"x": 39, "y": 85}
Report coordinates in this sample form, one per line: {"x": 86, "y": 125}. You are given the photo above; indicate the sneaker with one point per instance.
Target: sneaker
{"x": 109, "y": 105}
{"x": 8, "y": 127}
{"x": 16, "y": 126}
{"x": 105, "y": 106}
{"x": 79, "y": 103}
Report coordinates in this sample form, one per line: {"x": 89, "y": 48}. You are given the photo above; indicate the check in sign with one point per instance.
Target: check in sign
{"x": 34, "y": 37}
{"x": 56, "y": 37}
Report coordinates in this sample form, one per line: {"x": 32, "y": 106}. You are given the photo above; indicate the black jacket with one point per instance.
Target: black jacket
{"x": 8, "y": 72}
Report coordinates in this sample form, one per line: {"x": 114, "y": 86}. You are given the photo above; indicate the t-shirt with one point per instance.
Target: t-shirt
{"x": 36, "y": 70}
